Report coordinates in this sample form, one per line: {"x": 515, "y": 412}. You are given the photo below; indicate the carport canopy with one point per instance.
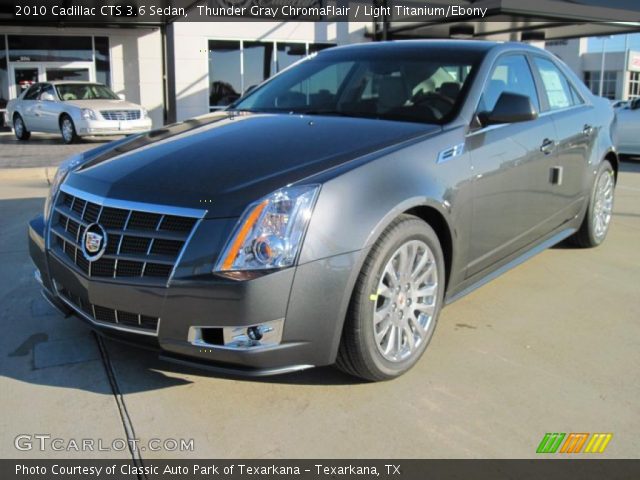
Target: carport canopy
{"x": 519, "y": 19}
{"x": 516, "y": 19}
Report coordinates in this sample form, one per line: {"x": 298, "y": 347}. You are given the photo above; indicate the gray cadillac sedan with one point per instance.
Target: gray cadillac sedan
{"x": 328, "y": 215}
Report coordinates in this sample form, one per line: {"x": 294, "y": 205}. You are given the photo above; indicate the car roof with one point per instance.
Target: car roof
{"x": 445, "y": 46}
{"x": 72, "y": 82}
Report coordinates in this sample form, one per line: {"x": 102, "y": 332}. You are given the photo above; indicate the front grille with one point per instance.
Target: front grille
{"x": 140, "y": 244}
{"x": 107, "y": 315}
{"x": 120, "y": 114}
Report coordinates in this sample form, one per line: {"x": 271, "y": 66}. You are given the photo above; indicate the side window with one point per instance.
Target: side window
{"x": 47, "y": 88}
{"x": 513, "y": 75}
{"x": 32, "y": 93}
{"x": 559, "y": 91}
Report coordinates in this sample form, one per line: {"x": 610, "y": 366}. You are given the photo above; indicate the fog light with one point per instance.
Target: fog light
{"x": 254, "y": 333}
{"x": 263, "y": 335}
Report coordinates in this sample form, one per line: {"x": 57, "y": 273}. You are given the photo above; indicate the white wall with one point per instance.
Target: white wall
{"x": 191, "y": 43}
{"x": 570, "y": 52}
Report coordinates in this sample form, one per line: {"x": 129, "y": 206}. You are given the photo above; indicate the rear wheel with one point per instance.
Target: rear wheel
{"x": 395, "y": 304}
{"x": 20, "y": 129}
{"x": 68, "y": 130}
{"x": 596, "y": 221}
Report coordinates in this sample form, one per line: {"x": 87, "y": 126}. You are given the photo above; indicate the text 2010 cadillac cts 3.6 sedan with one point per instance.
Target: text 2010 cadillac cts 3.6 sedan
{"x": 327, "y": 216}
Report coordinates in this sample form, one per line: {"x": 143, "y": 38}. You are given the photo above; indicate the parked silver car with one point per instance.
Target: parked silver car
{"x": 628, "y": 128}
{"x": 75, "y": 109}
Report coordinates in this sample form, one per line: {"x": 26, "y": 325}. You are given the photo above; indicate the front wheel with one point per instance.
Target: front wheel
{"x": 596, "y": 221}
{"x": 68, "y": 130}
{"x": 395, "y": 304}
{"x": 20, "y": 129}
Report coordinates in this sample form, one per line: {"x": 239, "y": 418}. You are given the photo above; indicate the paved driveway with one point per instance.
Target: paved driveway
{"x": 42, "y": 150}
{"x": 552, "y": 346}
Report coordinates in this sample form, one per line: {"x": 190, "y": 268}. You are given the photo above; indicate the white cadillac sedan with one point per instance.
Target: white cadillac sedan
{"x": 75, "y": 109}
{"x": 628, "y": 128}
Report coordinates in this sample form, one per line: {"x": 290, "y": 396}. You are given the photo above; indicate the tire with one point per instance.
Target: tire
{"x": 363, "y": 355}
{"x": 597, "y": 218}
{"x": 20, "y": 129}
{"x": 68, "y": 130}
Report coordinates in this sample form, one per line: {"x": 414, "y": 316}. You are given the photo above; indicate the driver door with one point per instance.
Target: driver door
{"x": 48, "y": 109}
{"x": 510, "y": 169}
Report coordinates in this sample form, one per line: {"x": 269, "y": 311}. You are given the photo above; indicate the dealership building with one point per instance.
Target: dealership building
{"x": 178, "y": 69}
{"x": 621, "y": 79}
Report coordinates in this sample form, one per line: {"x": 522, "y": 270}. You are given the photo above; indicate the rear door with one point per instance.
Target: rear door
{"x": 575, "y": 125}
{"x": 510, "y": 169}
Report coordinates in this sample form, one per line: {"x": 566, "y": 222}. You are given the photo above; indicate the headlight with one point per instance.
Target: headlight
{"x": 270, "y": 232}
{"x": 89, "y": 114}
{"x": 63, "y": 170}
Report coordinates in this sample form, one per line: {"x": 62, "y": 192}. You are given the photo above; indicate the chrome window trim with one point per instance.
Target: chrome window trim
{"x": 540, "y": 115}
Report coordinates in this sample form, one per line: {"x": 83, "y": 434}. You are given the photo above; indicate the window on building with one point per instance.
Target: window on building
{"x": 4, "y": 75}
{"x": 289, "y": 53}
{"x": 257, "y": 59}
{"x": 592, "y": 80}
{"x": 317, "y": 47}
{"x": 234, "y": 66}
{"x": 103, "y": 61}
{"x": 38, "y": 48}
{"x": 225, "y": 72}
{"x": 634, "y": 85}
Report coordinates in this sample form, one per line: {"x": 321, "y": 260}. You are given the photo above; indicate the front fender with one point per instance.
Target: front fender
{"x": 354, "y": 208}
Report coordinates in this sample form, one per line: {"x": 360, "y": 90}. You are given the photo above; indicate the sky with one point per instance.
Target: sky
{"x": 615, "y": 43}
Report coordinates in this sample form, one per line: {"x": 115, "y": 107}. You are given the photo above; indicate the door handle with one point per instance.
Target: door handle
{"x": 587, "y": 130}
{"x": 547, "y": 146}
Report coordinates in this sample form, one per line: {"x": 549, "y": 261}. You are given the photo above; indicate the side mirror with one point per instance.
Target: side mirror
{"x": 510, "y": 108}
{"x": 121, "y": 96}
{"x": 47, "y": 97}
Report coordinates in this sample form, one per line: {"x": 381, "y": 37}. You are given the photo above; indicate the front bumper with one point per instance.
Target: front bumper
{"x": 309, "y": 300}
{"x": 112, "y": 127}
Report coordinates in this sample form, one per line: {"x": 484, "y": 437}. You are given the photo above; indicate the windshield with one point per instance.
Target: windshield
{"x": 85, "y": 91}
{"x": 419, "y": 88}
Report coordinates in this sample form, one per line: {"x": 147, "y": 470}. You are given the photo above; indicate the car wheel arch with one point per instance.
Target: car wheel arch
{"x": 61, "y": 117}
{"x": 613, "y": 159}
{"x": 429, "y": 211}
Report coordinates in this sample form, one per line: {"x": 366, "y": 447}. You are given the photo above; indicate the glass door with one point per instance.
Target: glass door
{"x": 22, "y": 78}
{"x": 23, "y": 75}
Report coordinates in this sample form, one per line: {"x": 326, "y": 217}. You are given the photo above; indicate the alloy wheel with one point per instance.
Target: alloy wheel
{"x": 603, "y": 205}
{"x": 406, "y": 301}
{"x": 19, "y": 127}
{"x": 67, "y": 130}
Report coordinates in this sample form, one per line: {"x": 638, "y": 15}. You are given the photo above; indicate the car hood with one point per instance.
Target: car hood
{"x": 103, "y": 104}
{"x": 223, "y": 162}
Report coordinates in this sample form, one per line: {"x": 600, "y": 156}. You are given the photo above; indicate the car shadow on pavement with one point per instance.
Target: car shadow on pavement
{"x": 139, "y": 367}
{"x": 47, "y": 139}
{"x": 43, "y": 347}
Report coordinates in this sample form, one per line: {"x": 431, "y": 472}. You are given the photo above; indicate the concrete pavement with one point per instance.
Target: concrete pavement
{"x": 552, "y": 346}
